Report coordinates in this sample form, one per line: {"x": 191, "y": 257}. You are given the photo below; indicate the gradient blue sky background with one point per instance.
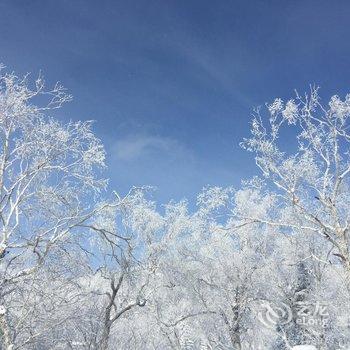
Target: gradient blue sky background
{"x": 172, "y": 84}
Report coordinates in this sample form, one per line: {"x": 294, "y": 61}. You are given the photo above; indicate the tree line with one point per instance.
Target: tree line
{"x": 264, "y": 266}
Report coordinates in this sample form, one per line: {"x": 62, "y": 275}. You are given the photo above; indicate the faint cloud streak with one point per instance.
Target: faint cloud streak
{"x": 136, "y": 146}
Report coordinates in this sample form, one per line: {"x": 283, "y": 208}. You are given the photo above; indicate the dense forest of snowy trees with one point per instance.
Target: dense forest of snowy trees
{"x": 264, "y": 266}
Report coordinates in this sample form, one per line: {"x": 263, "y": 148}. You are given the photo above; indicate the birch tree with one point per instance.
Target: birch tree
{"x": 124, "y": 265}
{"x": 314, "y": 178}
{"x": 215, "y": 272}
{"x": 48, "y": 178}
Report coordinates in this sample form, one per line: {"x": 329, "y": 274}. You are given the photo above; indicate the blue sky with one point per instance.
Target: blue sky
{"x": 172, "y": 84}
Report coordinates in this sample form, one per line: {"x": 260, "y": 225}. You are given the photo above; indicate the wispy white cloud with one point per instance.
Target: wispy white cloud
{"x": 163, "y": 162}
{"x": 136, "y": 146}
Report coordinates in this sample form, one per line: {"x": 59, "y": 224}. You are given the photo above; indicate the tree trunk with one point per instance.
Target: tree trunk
{"x": 235, "y": 339}
{"x": 105, "y": 336}
{"x": 234, "y": 328}
{"x": 6, "y": 339}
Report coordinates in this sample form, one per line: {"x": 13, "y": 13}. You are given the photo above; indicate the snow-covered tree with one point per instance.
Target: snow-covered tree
{"x": 48, "y": 181}
{"x": 264, "y": 266}
{"x": 314, "y": 179}
{"x": 124, "y": 254}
